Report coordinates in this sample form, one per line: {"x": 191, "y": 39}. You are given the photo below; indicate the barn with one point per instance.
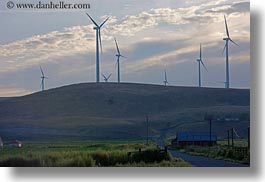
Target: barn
{"x": 194, "y": 138}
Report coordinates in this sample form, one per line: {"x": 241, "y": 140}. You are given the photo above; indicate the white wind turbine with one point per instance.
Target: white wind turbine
{"x": 227, "y": 40}
{"x": 166, "y": 81}
{"x": 97, "y": 28}
{"x": 106, "y": 78}
{"x": 43, "y": 77}
{"x": 199, "y": 66}
{"x": 118, "y": 55}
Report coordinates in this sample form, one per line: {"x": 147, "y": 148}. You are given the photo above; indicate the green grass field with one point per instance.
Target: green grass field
{"x": 88, "y": 154}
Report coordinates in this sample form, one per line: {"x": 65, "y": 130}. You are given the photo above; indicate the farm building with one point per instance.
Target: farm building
{"x": 15, "y": 144}
{"x": 194, "y": 138}
{"x": 1, "y": 143}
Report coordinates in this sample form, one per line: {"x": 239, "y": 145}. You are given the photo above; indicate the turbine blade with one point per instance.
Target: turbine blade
{"x": 116, "y": 63}
{"x": 118, "y": 50}
{"x": 104, "y": 76}
{"x": 123, "y": 56}
{"x": 227, "y": 31}
{"x": 234, "y": 42}
{"x": 100, "y": 40}
{"x": 41, "y": 71}
{"x": 204, "y": 65}
{"x": 109, "y": 76}
{"x": 165, "y": 75}
{"x": 224, "y": 48}
{"x": 220, "y": 82}
{"x": 92, "y": 19}
{"x": 104, "y": 22}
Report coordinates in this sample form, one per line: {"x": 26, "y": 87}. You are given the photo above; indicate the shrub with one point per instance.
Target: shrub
{"x": 110, "y": 158}
{"x": 150, "y": 156}
{"x": 19, "y": 162}
{"x": 82, "y": 161}
{"x": 230, "y": 154}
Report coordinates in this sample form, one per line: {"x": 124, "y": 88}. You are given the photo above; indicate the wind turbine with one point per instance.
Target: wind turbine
{"x": 199, "y": 64}
{"x": 118, "y": 55}
{"x": 227, "y": 40}
{"x": 42, "y": 79}
{"x": 222, "y": 83}
{"x": 97, "y": 28}
{"x": 106, "y": 79}
{"x": 166, "y": 82}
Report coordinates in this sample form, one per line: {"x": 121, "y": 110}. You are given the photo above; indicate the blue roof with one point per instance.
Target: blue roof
{"x": 196, "y": 136}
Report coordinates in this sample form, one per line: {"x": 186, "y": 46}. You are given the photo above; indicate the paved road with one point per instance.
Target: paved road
{"x": 200, "y": 161}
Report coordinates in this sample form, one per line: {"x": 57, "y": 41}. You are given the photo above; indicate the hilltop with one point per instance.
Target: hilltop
{"x": 118, "y": 111}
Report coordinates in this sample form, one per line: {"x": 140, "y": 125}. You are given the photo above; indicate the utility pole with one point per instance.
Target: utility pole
{"x": 232, "y": 136}
{"x": 248, "y": 138}
{"x": 210, "y": 119}
{"x": 228, "y": 138}
{"x": 147, "y": 130}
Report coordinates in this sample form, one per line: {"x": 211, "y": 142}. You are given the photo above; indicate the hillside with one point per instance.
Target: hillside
{"x": 118, "y": 111}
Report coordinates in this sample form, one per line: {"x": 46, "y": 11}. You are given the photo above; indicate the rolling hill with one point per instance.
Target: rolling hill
{"x": 118, "y": 111}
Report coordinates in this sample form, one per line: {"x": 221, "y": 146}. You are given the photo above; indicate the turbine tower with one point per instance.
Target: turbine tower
{"x": 118, "y": 55}
{"x": 43, "y": 77}
{"x": 199, "y": 65}
{"x": 97, "y": 28}
{"x": 106, "y": 79}
{"x": 166, "y": 82}
{"x": 227, "y": 40}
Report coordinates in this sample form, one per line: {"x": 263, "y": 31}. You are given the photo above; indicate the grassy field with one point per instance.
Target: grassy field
{"x": 88, "y": 154}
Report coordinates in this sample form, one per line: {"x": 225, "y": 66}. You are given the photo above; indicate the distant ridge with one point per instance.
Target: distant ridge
{"x": 117, "y": 111}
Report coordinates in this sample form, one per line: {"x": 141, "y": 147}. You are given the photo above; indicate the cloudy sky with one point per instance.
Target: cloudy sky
{"x": 153, "y": 34}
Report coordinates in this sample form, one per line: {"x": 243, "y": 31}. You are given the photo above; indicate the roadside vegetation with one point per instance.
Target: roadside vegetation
{"x": 221, "y": 151}
{"x": 88, "y": 154}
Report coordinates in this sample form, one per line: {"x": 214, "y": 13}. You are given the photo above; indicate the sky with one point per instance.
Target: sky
{"x": 154, "y": 35}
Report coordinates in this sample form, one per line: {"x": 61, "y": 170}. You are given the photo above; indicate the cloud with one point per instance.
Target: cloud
{"x": 36, "y": 49}
{"x": 236, "y": 7}
{"x": 9, "y": 92}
